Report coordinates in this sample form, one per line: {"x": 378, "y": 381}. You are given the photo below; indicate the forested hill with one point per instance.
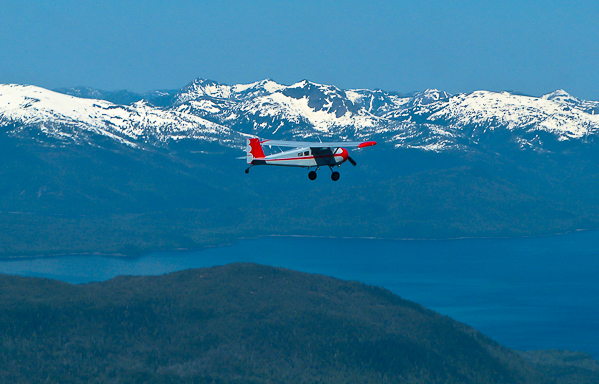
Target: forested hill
{"x": 241, "y": 323}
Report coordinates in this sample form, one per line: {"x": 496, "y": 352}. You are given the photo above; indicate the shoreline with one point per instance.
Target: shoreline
{"x": 8, "y": 258}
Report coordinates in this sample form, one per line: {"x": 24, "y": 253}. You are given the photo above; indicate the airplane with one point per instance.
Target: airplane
{"x": 304, "y": 154}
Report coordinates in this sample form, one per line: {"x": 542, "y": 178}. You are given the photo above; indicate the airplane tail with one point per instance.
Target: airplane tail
{"x": 254, "y": 150}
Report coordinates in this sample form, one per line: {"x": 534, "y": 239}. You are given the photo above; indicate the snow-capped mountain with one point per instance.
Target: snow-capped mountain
{"x": 208, "y": 111}
{"x": 302, "y": 110}
{"x": 41, "y": 114}
{"x": 431, "y": 120}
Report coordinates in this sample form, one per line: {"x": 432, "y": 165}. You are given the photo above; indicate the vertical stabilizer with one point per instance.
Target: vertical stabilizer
{"x": 254, "y": 150}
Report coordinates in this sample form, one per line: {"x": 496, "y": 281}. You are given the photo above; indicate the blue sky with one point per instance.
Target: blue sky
{"x": 532, "y": 47}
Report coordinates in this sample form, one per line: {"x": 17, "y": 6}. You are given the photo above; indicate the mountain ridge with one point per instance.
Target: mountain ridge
{"x": 208, "y": 111}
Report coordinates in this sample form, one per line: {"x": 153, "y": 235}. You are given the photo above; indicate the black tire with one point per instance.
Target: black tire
{"x": 247, "y": 170}
{"x": 312, "y": 175}
{"x": 335, "y": 176}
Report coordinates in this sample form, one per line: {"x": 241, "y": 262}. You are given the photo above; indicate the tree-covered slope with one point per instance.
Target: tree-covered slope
{"x": 239, "y": 323}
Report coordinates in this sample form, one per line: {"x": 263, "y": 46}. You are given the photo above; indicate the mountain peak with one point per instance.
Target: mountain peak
{"x": 557, "y": 93}
{"x": 567, "y": 101}
{"x": 435, "y": 94}
{"x": 200, "y": 81}
{"x": 430, "y": 96}
{"x": 305, "y": 84}
{"x": 562, "y": 96}
{"x": 201, "y": 88}
{"x": 300, "y": 84}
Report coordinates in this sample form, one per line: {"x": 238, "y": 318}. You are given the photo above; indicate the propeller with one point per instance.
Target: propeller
{"x": 352, "y": 161}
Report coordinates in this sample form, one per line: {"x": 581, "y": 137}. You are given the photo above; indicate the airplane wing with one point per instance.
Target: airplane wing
{"x": 312, "y": 144}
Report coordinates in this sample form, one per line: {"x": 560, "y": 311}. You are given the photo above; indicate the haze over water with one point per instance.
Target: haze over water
{"x": 527, "y": 293}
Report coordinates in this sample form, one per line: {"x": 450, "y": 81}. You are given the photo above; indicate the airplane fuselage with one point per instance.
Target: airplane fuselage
{"x": 305, "y": 158}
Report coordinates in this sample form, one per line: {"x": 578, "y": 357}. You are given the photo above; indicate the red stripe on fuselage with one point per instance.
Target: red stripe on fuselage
{"x": 305, "y": 157}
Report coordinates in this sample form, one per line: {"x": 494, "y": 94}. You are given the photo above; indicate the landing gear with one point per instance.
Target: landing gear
{"x": 247, "y": 170}
{"x": 312, "y": 175}
{"x": 335, "y": 176}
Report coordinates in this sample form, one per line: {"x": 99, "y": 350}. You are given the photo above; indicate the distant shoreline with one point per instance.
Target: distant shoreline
{"x": 4, "y": 258}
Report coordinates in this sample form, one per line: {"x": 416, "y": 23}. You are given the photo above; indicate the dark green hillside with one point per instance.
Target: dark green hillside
{"x": 566, "y": 366}
{"x": 240, "y": 323}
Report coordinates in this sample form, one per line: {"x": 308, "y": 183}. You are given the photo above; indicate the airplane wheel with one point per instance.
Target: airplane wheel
{"x": 335, "y": 176}
{"x": 247, "y": 170}
{"x": 312, "y": 175}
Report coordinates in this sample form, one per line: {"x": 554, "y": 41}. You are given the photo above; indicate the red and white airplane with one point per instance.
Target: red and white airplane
{"x": 305, "y": 154}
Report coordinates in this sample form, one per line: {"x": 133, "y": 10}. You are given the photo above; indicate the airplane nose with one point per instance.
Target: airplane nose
{"x": 344, "y": 154}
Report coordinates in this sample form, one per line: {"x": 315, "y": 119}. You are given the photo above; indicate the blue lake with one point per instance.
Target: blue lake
{"x": 527, "y": 293}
